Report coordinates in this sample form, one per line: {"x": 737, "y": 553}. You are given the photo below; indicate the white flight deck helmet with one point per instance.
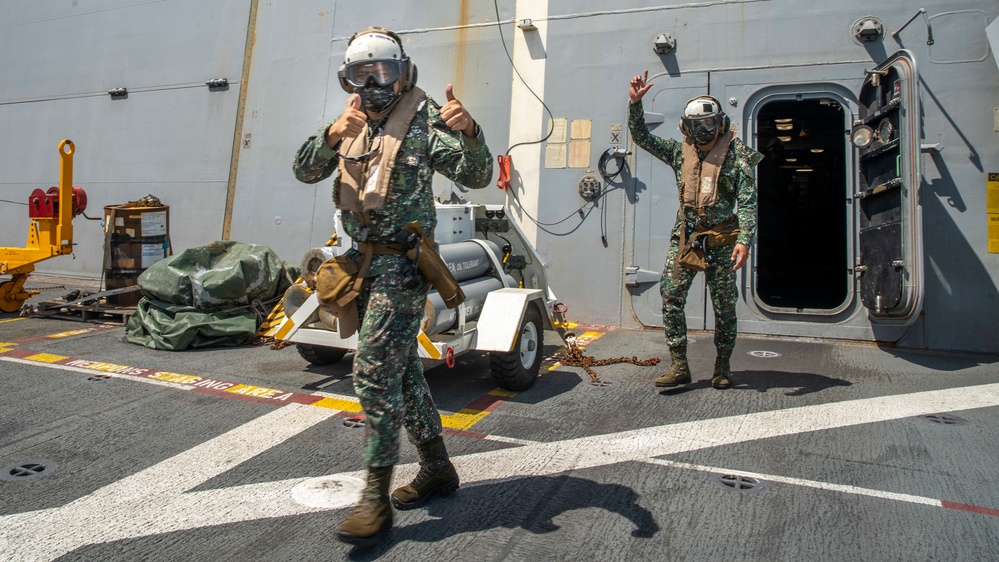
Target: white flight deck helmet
{"x": 368, "y": 47}
{"x": 703, "y": 120}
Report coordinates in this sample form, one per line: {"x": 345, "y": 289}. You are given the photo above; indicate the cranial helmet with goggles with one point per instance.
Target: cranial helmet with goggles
{"x": 374, "y": 57}
{"x": 703, "y": 120}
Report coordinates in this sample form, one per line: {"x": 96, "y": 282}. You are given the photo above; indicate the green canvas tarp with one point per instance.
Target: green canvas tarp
{"x": 212, "y": 295}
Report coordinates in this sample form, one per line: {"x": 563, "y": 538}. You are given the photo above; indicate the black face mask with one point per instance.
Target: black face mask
{"x": 377, "y": 99}
{"x": 703, "y": 134}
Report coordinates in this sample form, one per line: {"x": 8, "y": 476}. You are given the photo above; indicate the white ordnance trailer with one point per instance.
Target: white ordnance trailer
{"x": 508, "y": 304}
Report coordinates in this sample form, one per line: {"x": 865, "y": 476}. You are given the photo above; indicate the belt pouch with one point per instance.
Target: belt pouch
{"x": 430, "y": 264}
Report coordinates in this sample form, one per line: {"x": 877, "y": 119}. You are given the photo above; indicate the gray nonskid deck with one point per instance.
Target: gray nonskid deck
{"x": 831, "y": 444}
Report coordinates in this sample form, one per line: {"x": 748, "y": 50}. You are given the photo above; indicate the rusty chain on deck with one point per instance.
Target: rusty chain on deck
{"x": 573, "y": 357}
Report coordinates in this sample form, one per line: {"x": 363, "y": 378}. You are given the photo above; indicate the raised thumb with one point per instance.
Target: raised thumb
{"x": 354, "y": 101}
{"x": 449, "y": 92}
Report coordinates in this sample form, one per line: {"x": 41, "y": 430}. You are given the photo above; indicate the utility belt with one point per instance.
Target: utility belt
{"x": 693, "y": 250}
{"x": 379, "y": 249}
{"x": 339, "y": 279}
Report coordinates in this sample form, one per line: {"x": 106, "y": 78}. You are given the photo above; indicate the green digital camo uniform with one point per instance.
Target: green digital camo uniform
{"x": 736, "y": 195}
{"x": 388, "y": 373}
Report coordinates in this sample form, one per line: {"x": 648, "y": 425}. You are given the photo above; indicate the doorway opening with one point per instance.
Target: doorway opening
{"x": 802, "y": 241}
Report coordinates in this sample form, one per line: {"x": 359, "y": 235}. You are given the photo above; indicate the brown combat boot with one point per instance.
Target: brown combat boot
{"x": 679, "y": 371}
{"x": 373, "y": 514}
{"x": 722, "y": 377}
{"x": 437, "y": 476}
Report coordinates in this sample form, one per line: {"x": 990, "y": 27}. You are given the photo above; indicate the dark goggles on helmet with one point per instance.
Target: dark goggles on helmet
{"x": 383, "y": 72}
{"x": 693, "y": 123}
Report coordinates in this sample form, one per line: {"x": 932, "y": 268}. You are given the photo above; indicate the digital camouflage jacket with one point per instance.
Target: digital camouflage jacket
{"x": 430, "y": 146}
{"x": 736, "y": 184}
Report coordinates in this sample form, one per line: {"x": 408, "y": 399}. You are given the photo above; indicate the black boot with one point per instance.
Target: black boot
{"x": 373, "y": 514}
{"x": 722, "y": 377}
{"x": 679, "y": 371}
{"x": 437, "y": 476}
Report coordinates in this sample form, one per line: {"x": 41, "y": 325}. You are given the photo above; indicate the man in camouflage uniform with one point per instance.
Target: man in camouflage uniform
{"x": 732, "y": 190}
{"x": 378, "y": 195}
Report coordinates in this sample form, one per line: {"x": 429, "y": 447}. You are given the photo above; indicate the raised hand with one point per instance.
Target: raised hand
{"x": 455, "y": 115}
{"x": 639, "y": 85}
{"x": 350, "y": 124}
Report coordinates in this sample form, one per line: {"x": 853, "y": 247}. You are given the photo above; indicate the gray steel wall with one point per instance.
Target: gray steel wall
{"x": 172, "y": 137}
{"x": 294, "y": 90}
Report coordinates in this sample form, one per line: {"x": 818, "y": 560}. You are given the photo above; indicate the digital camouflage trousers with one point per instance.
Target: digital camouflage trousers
{"x": 721, "y": 285}
{"x": 388, "y": 373}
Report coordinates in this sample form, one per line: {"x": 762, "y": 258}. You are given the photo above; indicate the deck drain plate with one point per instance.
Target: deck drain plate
{"x": 328, "y": 492}
{"x": 945, "y": 419}
{"x": 764, "y": 354}
{"x": 354, "y": 422}
{"x": 99, "y": 378}
{"x": 739, "y": 483}
{"x": 602, "y": 383}
{"x": 27, "y": 470}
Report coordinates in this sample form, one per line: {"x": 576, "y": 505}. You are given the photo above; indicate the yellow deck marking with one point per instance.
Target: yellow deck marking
{"x": 177, "y": 378}
{"x": 257, "y": 391}
{"x": 69, "y": 333}
{"x": 464, "y": 419}
{"x": 11, "y": 320}
{"x": 337, "y": 404}
{"x": 46, "y": 358}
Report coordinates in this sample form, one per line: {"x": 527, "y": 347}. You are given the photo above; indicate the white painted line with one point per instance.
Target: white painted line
{"x": 93, "y": 372}
{"x": 562, "y": 456}
{"x": 842, "y": 488}
{"x": 512, "y": 440}
{"x": 155, "y": 500}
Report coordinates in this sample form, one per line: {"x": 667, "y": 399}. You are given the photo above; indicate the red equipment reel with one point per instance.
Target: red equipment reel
{"x": 79, "y": 201}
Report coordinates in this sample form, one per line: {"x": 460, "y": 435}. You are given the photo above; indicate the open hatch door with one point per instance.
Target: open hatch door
{"x": 887, "y": 136}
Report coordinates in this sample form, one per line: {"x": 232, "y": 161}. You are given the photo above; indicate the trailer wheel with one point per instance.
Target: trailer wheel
{"x": 320, "y": 354}
{"x": 518, "y": 369}
{"x": 8, "y": 297}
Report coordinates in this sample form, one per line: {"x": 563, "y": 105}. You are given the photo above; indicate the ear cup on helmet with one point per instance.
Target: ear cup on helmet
{"x": 411, "y": 78}
{"x": 343, "y": 81}
{"x": 408, "y": 77}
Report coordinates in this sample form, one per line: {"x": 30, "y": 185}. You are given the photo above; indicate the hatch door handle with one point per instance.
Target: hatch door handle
{"x": 634, "y": 276}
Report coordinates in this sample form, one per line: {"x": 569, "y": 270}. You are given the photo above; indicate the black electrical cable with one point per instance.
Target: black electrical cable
{"x": 551, "y": 117}
{"x": 539, "y": 223}
{"x": 611, "y": 153}
{"x": 603, "y": 217}
{"x": 499, "y": 26}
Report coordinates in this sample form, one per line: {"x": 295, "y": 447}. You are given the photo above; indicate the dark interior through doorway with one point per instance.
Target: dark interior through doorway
{"x": 802, "y": 258}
